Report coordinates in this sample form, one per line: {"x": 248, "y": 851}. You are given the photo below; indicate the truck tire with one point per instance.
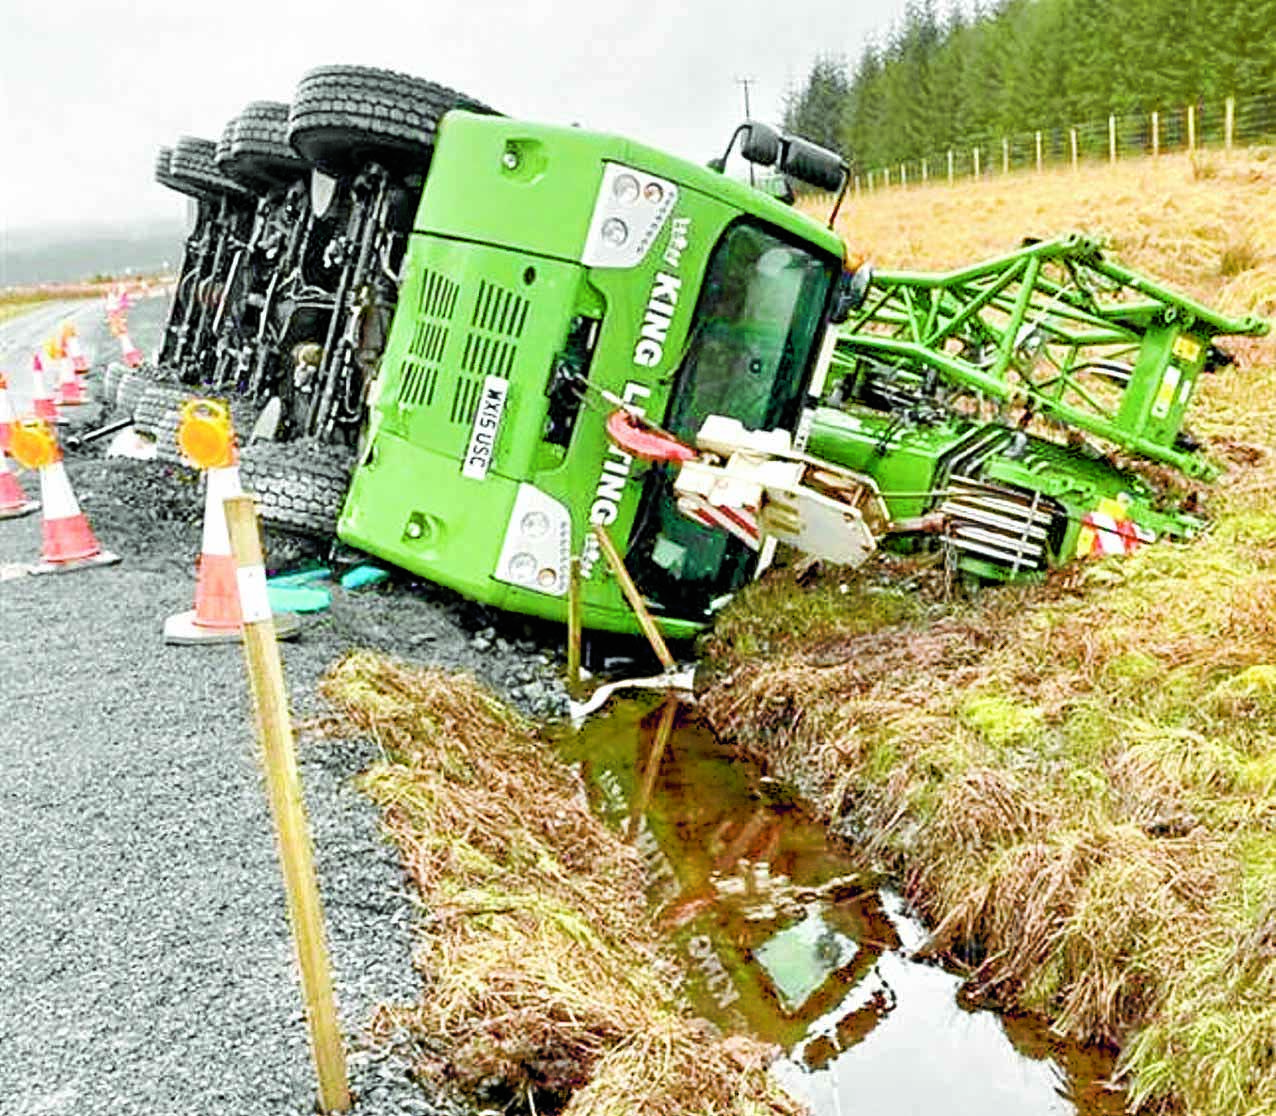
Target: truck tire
{"x": 131, "y": 387}
{"x": 193, "y": 164}
{"x": 164, "y": 174}
{"x": 345, "y": 116}
{"x": 300, "y": 486}
{"x": 260, "y": 150}
{"x": 157, "y": 413}
{"x": 221, "y": 154}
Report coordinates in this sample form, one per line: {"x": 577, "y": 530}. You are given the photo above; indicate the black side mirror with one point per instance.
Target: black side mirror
{"x": 761, "y": 144}
{"x": 852, "y": 292}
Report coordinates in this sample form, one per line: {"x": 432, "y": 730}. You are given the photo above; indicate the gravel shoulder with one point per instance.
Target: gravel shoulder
{"x": 145, "y": 959}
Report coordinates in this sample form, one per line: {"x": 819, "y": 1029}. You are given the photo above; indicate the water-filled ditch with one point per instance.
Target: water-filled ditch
{"x": 787, "y": 940}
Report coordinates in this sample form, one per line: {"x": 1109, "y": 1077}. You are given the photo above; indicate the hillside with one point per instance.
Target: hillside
{"x": 1075, "y": 783}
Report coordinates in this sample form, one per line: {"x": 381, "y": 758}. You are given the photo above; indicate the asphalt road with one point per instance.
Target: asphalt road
{"x": 145, "y": 961}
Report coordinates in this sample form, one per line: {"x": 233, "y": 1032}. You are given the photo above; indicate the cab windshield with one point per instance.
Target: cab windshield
{"x": 748, "y": 357}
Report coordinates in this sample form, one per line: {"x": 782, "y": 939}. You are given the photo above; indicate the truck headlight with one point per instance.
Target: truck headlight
{"x": 534, "y": 524}
{"x": 626, "y": 189}
{"x": 614, "y": 231}
{"x": 536, "y": 550}
{"x": 631, "y": 208}
{"x": 522, "y": 567}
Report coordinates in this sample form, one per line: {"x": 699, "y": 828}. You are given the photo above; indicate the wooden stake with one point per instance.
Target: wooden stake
{"x": 634, "y": 598}
{"x": 658, "y": 745}
{"x": 1191, "y": 127}
{"x": 1005, "y": 154}
{"x": 1073, "y": 137}
{"x": 1040, "y": 160}
{"x": 1229, "y": 123}
{"x": 283, "y": 785}
{"x": 1112, "y": 145}
{"x": 573, "y": 626}
{"x": 1156, "y": 134}
{"x": 951, "y": 165}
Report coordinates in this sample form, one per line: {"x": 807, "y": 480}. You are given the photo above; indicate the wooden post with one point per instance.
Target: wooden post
{"x": 976, "y": 164}
{"x": 283, "y": 785}
{"x": 1191, "y": 128}
{"x": 925, "y": 175}
{"x": 903, "y": 175}
{"x": 886, "y": 175}
{"x": 634, "y": 598}
{"x": 857, "y": 185}
{"x": 1229, "y": 122}
{"x": 659, "y": 744}
{"x": 573, "y": 626}
{"x": 1072, "y": 134}
{"x": 1005, "y": 155}
{"x": 1112, "y": 137}
{"x": 951, "y": 166}
{"x": 1156, "y": 134}
{"x": 870, "y": 182}
{"x": 1040, "y": 160}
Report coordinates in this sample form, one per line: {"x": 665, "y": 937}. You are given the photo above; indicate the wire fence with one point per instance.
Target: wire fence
{"x": 1222, "y": 124}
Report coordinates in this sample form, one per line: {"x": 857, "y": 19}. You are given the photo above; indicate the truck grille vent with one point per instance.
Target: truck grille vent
{"x": 491, "y": 346}
{"x": 998, "y": 523}
{"x": 420, "y": 371}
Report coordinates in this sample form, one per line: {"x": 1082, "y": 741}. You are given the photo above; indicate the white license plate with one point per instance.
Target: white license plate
{"x": 487, "y": 422}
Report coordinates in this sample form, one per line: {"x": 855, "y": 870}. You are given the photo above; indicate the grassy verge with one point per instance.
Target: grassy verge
{"x": 19, "y": 300}
{"x": 1076, "y": 783}
{"x": 542, "y": 975}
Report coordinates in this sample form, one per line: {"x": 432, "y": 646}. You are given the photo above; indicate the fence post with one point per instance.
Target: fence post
{"x": 903, "y": 175}
{"x": 886, "y": 177}
{"x": 1072, "y": 135}
{"x": 1191, "y": 128}
{"x": 950, "y": 166}
{"x": 870, "y": 182}
{"x": 1039, "y": 160}
{"x": 1111, "y": 137}
{"x": 925, "y": 177}
{"x": 1229, "y": 123}
{"x": 1156, "y": 133}
{"x": 857, "y": 185}
{"x": 1005, "y": 155}
{"x": 976, "y": 164}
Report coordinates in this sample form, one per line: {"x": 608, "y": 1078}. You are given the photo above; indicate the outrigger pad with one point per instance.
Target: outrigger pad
{"x": 105, "y": 558}
{"x": 21, "y": 510}
{"x": 182, "y": 630}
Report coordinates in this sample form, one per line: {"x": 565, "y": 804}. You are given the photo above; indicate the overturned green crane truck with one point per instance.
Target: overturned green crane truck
{"x": 466, "y": 304}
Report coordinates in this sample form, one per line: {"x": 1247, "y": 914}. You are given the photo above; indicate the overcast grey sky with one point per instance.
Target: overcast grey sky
{"x": 90, "y": 90}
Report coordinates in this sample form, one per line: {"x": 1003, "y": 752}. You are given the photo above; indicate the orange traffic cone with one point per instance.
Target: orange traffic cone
{"x": 70, "y": 387}
{"x": 216, "y": 617}
{"x": 41, "y": 400}
{"x": 74, "y": 350}
{"x": 132, "y": 354}
{"x": 6, "y": 413}
{"x": 13, "y": 501}
{"x": 68, "y": 541}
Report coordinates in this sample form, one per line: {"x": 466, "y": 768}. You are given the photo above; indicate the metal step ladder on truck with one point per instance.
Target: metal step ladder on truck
{"x": 508, "y": 355}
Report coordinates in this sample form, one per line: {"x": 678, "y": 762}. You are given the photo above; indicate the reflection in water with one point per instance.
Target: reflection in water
{"x": 786, "y": 941}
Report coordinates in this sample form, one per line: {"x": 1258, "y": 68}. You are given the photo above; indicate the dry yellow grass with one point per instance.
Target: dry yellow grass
{"x": 1076, "y": 782}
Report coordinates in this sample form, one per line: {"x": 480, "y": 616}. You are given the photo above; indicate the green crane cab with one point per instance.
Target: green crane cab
{"x": 550, "y": 272}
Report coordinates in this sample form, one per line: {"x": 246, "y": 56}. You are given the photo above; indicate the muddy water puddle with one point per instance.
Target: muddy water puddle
{"x": 785, "y": 940}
